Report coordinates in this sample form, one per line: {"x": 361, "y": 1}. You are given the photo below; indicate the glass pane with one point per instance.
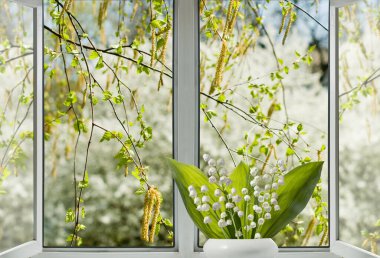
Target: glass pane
{"x": 264, "y": 95}
{"x": 108, "y": 123}
{"x": 16, "y": 124}
{"x": 359, "y": 73}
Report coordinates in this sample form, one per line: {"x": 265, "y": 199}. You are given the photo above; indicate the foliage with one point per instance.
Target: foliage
{"x": 252, "y": 215}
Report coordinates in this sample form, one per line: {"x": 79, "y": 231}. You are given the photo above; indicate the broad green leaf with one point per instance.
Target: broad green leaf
{"x": 293, "y": 196}
{"x": 186, "y": 175}
{"x": 240, "y": 179}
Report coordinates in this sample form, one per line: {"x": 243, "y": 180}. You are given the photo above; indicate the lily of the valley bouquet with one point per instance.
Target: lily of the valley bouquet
{"x": 250, "y": 202}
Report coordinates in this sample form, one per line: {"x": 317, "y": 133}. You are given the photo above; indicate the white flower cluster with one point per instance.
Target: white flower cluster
{"x": 224, "y": 201}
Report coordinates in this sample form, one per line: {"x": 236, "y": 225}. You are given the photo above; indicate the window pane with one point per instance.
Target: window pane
{"x": 264, "y": 94}
{"x": 359, "y": 73}
{"x": 108, "y": 123}
{"x": 16, "y": 124}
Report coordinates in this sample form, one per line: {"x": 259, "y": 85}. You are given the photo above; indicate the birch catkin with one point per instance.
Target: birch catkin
{"x": 233, "y": 10}
{"x": 156, "y": 213}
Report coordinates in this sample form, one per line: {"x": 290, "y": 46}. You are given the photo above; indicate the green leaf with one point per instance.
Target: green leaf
{"x": 293, "y": 196}
{"x": 84, "y": 183}
{"x": 70, "y": 216}
{"x": 185, "y": 175}
{"x": 93, "y": 55}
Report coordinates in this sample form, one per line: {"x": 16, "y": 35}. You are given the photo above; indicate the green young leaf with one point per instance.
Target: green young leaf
{"x": 293, "y": 196}
{"x": 93, "y": 55}
{"x": 186, "y": 175}
{"x": 84, "y": 183}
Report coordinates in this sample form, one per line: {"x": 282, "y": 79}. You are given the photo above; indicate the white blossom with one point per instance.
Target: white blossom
{"x": 229, "y": 205}
{"x": 265, "y": 205}
{"x": 256, "y": 193}
{"x": 277, "y": 207}
{"x": 236, "y": 198}
{"x": 211, "y": 171}
{"x": 223, "y": 172}
{"x": 260, "y": 221}
{"x": 273, "y": 201}
{"x": 191, "y": 188}
{"x": 228, "y": 182}
{"x": 274, "y": 195}
{"x": 222, "y": 223}
{"x": 222, "y": 199}
{"x": 223, "y": 215}
{"x": 205, "y": 198}
{"x": 207, "y": 220}
{"x": 236, "y": 209}
{"x": 233, "y": 190}
{"x": 261, "y": 198}
{"x": 204, "y": 189}
{"x": 206, "y": 157}
{"x": 244, "y": 191}
{"x": 193, "y": 194}
{"x": 212, "y": 179}
{"x": 250, "y": 217}
{"x": 267, "y": 187}
{"x": 267, "y": 215}
{"x": 197, "y": 200}
{"x": 216, "y": 206}
{"x": 266, "y": 196}
{"x": 205, "y": 207}
{"x": 253, "y": 224}
{"x": 268, "y": 209}
{"x": 240, "y": 214}
{"x": 199, "y": 208}
{"x": 238, "y": 233}
{"x": 275, "y": 186}
{"x": 258, "y": 210}
{"x": 247, "y": 198}
{"x": 257, "y": 236}
{"x": 212, "y": 163}
{"x": 254, "y": 171}
{"x": 229, "y": 222}
{"x": 220, "y": 162}
{"x": 280, "y": 163}
{"x": 217, "y": 192}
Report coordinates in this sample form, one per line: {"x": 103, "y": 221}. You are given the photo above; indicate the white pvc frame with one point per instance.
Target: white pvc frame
{"x": 186, "y": 147}
{"x": 338, "y": 246}
{"x": 33, "y": 247}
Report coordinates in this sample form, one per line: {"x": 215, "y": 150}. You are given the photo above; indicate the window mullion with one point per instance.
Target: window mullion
{"x": 186, "y": 107}
{"x": 38, "y": 124}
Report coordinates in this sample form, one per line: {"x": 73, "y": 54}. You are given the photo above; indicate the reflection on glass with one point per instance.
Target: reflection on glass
{"x": 264, "y": 94}
{"x": 16, "y": 124}
{"x": 359, "y": 73}
{"x": 108, "y": 123}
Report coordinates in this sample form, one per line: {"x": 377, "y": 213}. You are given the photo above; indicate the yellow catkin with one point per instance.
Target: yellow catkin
{"x": 288, "y": 27}
{"x": 287, "y": 10}
{"x": 156, "y": 213}
{"x": 135, "y": 9}
{"x": 202, "y": 5}
{"x": 324, "y": 237}
{"x": 148, "y": 206}
{"x": 232, "y": 13}
{"x": 66, "y": 8}
{"x": 374, "y": 246}
{"x": 162, "y": 58}
{"x": 154, "y": 48}
{"x": 309, "y": 231}
{"x": 102, "y": 15}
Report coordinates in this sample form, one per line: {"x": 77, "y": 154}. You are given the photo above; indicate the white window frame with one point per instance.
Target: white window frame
{"x": 186, "y": 148}
{"x": 338, "y": 246}
{"x": 33, "y": 247}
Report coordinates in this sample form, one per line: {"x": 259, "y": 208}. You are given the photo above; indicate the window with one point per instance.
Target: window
{"x": 108, "y": 97}
{"x": 252, "y": 88}
{"x": 358, "y": 85}
{"x": 117, "y": 86}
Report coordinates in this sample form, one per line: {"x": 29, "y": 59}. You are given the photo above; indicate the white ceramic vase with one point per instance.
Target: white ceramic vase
{"x": 236, "y": 248}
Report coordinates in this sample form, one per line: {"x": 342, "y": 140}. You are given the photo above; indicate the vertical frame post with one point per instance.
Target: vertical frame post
{"x": 38, "y": 122}
{"x": 186, "y": 107}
